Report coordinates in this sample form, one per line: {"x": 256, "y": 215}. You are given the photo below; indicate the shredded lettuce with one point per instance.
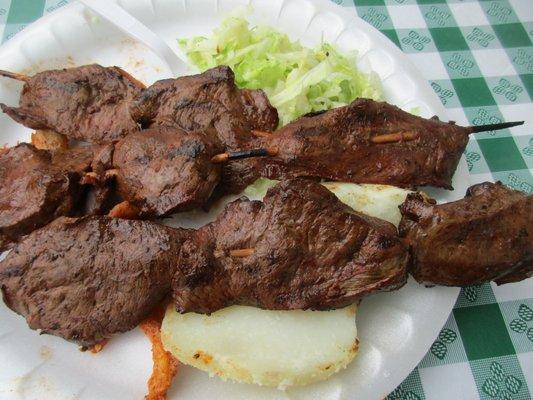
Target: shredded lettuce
{"x": 258, "y": 189}
{"x": 296, "y": 79}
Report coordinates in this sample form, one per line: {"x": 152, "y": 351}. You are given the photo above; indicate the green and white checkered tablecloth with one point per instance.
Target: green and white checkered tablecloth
{"x": 478, "y": 57}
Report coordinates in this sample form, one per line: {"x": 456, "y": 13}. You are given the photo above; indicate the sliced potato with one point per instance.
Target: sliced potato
{"x": 271, "y": 348}
{"x": 380, "y": 201}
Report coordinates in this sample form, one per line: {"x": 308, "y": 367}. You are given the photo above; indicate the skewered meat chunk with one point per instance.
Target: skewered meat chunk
{"x": 37, "y": 187}
{"x": 85, "y": 279}
{"x": 208, "y": 102}
{"x": 88, "y": 103}
{"x": 163, "y": 170}
{"x": 364, "y": 142}
{"x": 486, "y": 236}
{"x": 299, "y": 248}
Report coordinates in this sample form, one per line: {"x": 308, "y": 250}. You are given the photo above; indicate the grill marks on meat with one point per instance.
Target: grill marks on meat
{"x": 260, "y": 114}
{"x": 164, "y": 170}
{"x": 37, "y": 187}
{"x": 89, "y": 103}
{"x": 208, "y": 102}
{"x": 338, "y": 145}
{"x": 310, "y": 251}
{"x": 211, "y": 103}
{"x": 486, "y": 236}
{"x": 85, "y": 279}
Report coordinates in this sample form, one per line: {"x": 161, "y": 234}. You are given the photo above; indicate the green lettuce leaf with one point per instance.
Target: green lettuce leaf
{"x": 297, "y": 80}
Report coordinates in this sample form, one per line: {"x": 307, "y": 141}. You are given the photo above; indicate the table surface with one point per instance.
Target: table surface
{"x": 478, "y": 57}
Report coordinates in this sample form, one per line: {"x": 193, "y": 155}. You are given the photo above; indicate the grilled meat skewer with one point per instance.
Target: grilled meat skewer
{"x": 299, "y": 248}
{"x": 159, "y": 171}
{"x": 486, "y": 236}
{"x": 85, "y": 279}
{"x": 88, "y": 103}
{"x": 97, "y": 276}
{"x": 151, "y": 165}
{"x": 364, "y": 142}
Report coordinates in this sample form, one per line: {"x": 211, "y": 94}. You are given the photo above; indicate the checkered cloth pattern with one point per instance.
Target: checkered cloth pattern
{"x": 478, "y": 57}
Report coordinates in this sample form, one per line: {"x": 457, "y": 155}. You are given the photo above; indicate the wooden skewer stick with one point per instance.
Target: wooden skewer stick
{"x": 261, "y": 134}
{"x": 406, "y": 136}
{"x": 111, "y": 173}
{"x": 97, "y": 348}
{"x": 241, "y": 252}
{"x": 124, "y": 210}
{"x": 14, "y": 75}
{"x": 235, "y": 155}
{"x": 394, "y": 137}
{"x": 220, "y": 158}
{"x": 493, "y": 127}
{"x": 89, "y": 178}
{"x": 92, "y": 178}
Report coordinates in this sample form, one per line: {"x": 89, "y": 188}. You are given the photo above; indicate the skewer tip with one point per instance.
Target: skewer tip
{"x": 130, "y": 77}
{"x": 493, "y": 127}
{"x": 14, "y": 75}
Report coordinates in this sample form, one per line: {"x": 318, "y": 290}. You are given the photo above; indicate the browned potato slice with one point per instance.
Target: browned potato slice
{"x": 265, "y": 347}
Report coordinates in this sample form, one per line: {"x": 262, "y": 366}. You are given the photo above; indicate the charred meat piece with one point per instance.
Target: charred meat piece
{"x": 363, "y": 142}
{"x": 486, "y": 236}
{"x": 165, "y": 169}
{"x": 38, "y": 186}
{"x": 85, "y": 279}
{"x": 260, "y": 114}
{"x": 88, "y": 103}
{"x": 208, "y": 102}
{"x": 300, "y": 248}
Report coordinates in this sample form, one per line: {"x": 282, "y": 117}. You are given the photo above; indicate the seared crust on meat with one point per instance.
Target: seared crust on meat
{"x": 486, "y": 236}
{"x": 164, "y": 170}
{"x": 210, "y": 102}
{"x": 306, "y": 250}
{"x": 36, "y": 187}
{"x": 353, "y": 144}
{"x": 89, "y": 103}
{"x": 85, "y": 279}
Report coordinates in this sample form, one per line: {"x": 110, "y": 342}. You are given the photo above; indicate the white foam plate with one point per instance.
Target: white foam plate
{"x": 395, "y": 329}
